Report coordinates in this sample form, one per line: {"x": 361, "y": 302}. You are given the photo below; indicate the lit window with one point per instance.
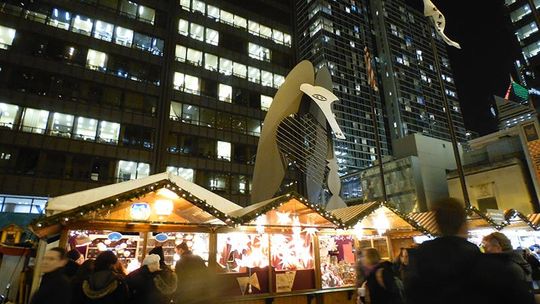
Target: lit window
{"x": 254, "y": 127}
{"x": 108, "y": 132}
{"x": 194, "y": 57}
{"x": 190, "y": 114}
{"x": 226, "y": 17}
{"x": 266, "y": 78}
{"x": 86, "y": 128}
{"x": 96, "y": 60}
{"x": 517, "y": 14}
{"x": 60, "y": 18}
{"x": 123, "y": 36}
{"x": 186, "y": 83}
{"x": 128, "y": 170}
{"x": 224, "y": 150}
{"x": 8, "y": 113}
{"x": 210, "y": 62}
{"x": 526, "y": 30}
{"x": 196, "y": 31}
{"x": 277, "y": 36}
{"x": 198, "y": 6}
{"x": 183, "y": 27}
{"x": 185, "y": 173}
{"x": 103, "y": 31}
{"x": 253, "y": 27}
{"x": 239, "y": 70}
{"x": 258, "y": 52}
{"x": 175, "y": 112}
{"x": 212, "y": 12}
{"x": 142, "y": 42}
{"x": 287, "y": 39}
{"x": 146, "y": 14}
{"x": 278, "y": 80}
{"x": 6, "y": 37}
{"x": 212, "y": 36}
{"x": 225, "y": 66}
{"x": 192, "y": 84}
{"x": 225, "y": 93}
{"x": 254, "y": 75}
{"x": 35, "y": 121}
{"x": 180, "y": 53}
{"x": 266, "y": 101}
{"x": 240, "y": 22}
{"x": 82, "y": 25}
{"x": 157, "y": 46}
{"x": 128, "y": 8}
{"x": 185, "y": 4}
{"x": 265, "y": 31}
{"x": 62, "y": 125}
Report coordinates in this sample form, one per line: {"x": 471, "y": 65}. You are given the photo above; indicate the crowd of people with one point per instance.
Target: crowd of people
{"x": 450, "y": 269}
{"x": 69, "y": 279}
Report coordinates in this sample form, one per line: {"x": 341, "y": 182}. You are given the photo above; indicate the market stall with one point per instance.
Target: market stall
{"x": 479, "y": 224}
{"x": 520, "y": 229}
{"x": 380, "y": 225}
{"x": 131, "y": 218}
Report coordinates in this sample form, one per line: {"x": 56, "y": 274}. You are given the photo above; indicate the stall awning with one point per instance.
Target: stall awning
{"x": 282, "y": 212}
{"x": 374, "y": 215}
{"x": 156, "y": 200}
{"x": 476, "y": 219}
{"x": 534, "y": 219}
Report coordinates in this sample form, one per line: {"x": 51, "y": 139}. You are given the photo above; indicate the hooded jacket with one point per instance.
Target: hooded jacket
{"x": 151, "y": 287}
{"x": 105, "y": 287}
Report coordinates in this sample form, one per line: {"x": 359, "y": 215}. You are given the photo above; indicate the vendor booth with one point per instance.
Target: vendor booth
{"x": 380, "y": 225}
{"x": 520, "y": 229}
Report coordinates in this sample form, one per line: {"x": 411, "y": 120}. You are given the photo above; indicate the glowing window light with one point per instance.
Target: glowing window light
{"x": 381, "y": 222}
{"x": 163, "y": 207}
{"x": 283, "y": 218}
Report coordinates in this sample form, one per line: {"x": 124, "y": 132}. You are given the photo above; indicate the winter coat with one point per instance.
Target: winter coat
{"x": 438, "y": 271}
{"x": 383, "y": 286}
{"x": 193, "y": 279}
{"x": 105, "y": 287}
{"x": 151, "y": 287}
{"x": 71, "y": 269}
{"x": 501, "y": 278}
{"x": 53, "y": 289}
{"x": 535, "y": 266}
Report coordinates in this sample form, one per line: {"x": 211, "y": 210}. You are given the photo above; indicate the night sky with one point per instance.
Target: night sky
{"x": 485, "y": 61}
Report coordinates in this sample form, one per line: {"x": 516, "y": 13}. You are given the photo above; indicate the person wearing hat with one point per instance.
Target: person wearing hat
{"x": 146, "y": 284}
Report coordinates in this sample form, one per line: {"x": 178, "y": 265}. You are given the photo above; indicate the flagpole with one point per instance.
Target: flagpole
{"x": 374, "y": 120}
{"x": 450, "y": 124}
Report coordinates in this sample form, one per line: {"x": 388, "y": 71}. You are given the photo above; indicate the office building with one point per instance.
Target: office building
{"x": 334, "y": 33}
{"x": 94, "y": 92}
{"x": 526, "y": 20}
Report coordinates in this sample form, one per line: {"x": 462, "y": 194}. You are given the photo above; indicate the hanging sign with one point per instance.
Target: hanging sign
{"x": 140, "y": 211}
{"x": 162, "y": 237}
{"x": 114, "y": 236}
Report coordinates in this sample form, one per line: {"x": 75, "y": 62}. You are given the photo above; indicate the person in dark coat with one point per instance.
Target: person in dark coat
{"x": 381, "y": 283}
{"x": 193, "y": 277}
{"x": 105, "y": 286}
{"x": 53, "y": 279}
{"x": 439, "y": 269}
{"x": 74, "y": 261}
{"x": 84, "y": 272}
{"x": 147, "y": 284}
{"x": 501, "y": 275}
{"x": 165, "y": 280}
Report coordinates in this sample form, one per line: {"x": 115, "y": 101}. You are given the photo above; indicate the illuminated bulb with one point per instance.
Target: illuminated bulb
{"x": 163, "y": 207}
{"x": 260, "y": 221}
{"x": 283, "y": 217}
{"x": 381, "y": 222}
{"x": 358, "y": 230}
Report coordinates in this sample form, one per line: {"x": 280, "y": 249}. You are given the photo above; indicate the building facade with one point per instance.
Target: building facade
{"x": 525, "y": 18}
{"x": 101, "y": 91}
{"x": 334, "y": 33}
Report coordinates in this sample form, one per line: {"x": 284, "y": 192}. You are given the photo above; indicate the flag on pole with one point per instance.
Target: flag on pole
{"x": 372, "y": 80}
{"x": 440, "y": 22}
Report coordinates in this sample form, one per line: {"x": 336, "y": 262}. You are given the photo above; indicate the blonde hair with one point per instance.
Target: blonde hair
{"x": 372, "y": 256}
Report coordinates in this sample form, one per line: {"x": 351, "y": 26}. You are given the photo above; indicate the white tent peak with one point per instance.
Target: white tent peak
{"x": 81, "y": 198}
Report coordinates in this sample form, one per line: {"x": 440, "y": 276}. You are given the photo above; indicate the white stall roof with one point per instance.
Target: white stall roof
{"x": 73, "y": 200}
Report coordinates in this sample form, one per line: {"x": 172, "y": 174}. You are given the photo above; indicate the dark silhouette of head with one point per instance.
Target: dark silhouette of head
{"x": 105, "y": 261}
{"x": 451, "y": 217}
